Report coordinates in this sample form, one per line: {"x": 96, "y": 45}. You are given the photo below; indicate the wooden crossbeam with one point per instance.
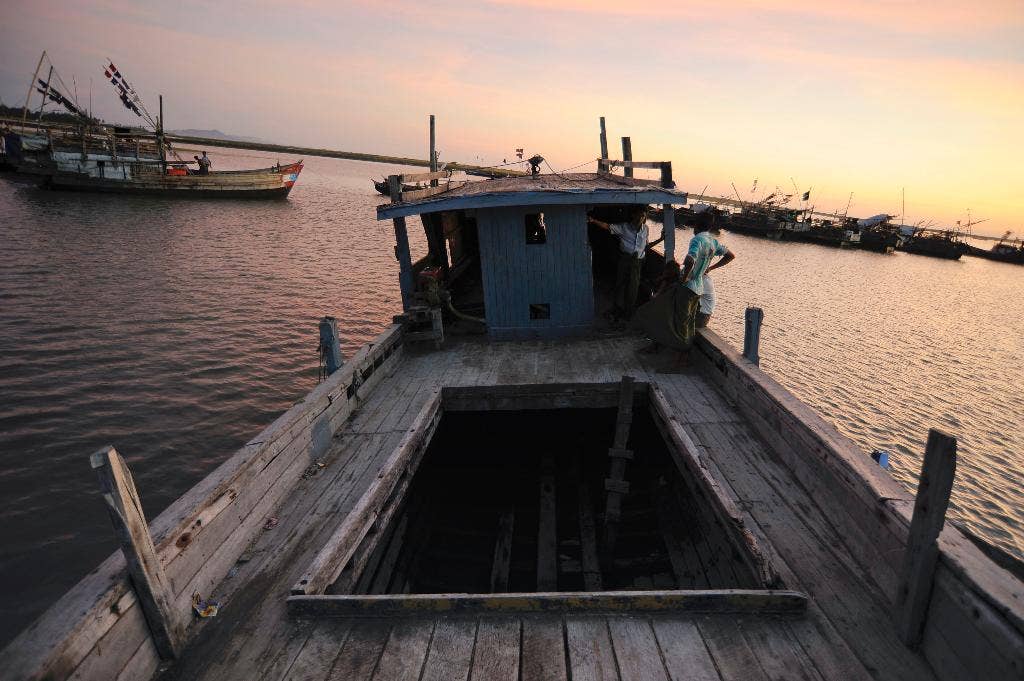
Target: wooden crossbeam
{"x": 424, "y": 177}
{"x": 712, "y": 601}
{"x": 650, "y": 165}
{"x": 429, "y": 191}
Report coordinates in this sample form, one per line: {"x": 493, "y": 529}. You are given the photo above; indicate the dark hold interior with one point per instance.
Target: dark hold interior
{"x": 514, "y": 501}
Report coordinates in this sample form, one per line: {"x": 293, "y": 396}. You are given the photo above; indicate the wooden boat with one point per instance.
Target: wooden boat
{"x": 936, "y": 244}
{"x": 128, "y": 177}
{"x": 383, "y": 188}
{"x": 1003, "y": 251}
{"x": 536, "y": 501}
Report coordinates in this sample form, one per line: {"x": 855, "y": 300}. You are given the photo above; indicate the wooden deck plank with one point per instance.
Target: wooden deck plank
{"x": 779, "y": 657}
{"x": 813, "y": 556}
{"x": 682, "y": 647}
{"x": 591, "y": 657}
{"x": 496, "y": 656}
{"x": 405, "y": 652}
{"x": 451, "y": 651}
{"x": 730, "y": 651}
{"x": 315, "y": 660}
{"x": 636, "y": 649}
{"x": 543, "y": 650}
{"x": 361, "y": 653}
{"x": 286, "y": 655}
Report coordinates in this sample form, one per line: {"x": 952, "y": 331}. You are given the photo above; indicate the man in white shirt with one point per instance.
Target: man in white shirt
{"x": 632, "y": 237}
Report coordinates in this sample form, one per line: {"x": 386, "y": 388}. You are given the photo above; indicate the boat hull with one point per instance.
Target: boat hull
{"x": 268, "y": 183}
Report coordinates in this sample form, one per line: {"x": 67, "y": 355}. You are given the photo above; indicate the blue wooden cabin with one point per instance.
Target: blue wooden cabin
{"x": 525, "y": 239}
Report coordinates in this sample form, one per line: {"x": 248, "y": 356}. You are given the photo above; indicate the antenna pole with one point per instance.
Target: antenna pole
{"x": 28, "y": 98}
{"x": 160, "y": 130}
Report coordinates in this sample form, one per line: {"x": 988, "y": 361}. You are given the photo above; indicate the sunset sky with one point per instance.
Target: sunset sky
{"x": 866, "y": 97}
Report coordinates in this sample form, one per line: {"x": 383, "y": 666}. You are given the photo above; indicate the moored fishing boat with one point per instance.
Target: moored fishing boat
{"x": 95, "y": 157}
{"x": 127, "y": 177}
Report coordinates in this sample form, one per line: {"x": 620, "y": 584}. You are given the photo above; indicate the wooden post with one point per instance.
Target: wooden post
{"x": 922, "y": 552}
{"x": 151, "y": 585}
{"x": 433, "y": 151}
{"x": 668, "y": 223}
{"x": 615, "y": 484}
{"x": 627, "y": 155}
{"x": 752, "y": 334}
{"x": 405, "y": 281}
{"x": 547, "y": 528}
{"x": 601, "y": 166}
{"x": 330, "y": 345}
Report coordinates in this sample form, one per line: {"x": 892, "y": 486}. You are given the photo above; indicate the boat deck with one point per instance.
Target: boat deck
{"x": 846, "y": 633}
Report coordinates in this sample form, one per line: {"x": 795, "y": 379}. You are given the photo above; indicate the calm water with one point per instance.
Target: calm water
{"x": 176, "y": 330}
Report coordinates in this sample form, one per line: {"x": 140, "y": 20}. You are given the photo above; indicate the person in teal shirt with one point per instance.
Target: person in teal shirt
{"x": 670, "y": 318}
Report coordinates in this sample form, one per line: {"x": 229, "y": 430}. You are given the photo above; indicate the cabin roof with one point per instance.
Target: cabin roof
{"x": 553, "y": 189}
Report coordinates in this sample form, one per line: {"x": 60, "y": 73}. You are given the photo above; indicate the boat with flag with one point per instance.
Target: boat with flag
{"x": 89, "y": 155}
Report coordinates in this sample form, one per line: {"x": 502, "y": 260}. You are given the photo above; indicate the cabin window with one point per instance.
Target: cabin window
{"x": 540, "y": 310}
{"x": 536, "y": 231}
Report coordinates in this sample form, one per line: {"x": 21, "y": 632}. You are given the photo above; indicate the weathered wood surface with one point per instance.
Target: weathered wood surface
{"x": 869, "y": 514}
{"x": 763, "y": 602}
{"x": 152, "y": 589}
{"x": 402, "y": 463}
{"x": 846, "y": 632}
{"x": 200, "y": 536}
{"x": 918, "y": 573}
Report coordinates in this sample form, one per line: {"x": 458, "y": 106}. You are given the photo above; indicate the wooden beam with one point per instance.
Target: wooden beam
{"x": 629, "y": 163}
{"x": 615, "y": 483}
{"x": 502, "y": 552}
{"x": 627, "y": 156}
{"x": 402, "y": 464}
{"x": 402, "y": 252}
{"x": 547, "y": 528}
{"x": 668, "y": 223}
{"x": 588, "y": 531}
{"x": 601, "y": 166}
{"x": 150, "y": 582}
{"x": 418, "y": 194}
{"x": 922, "y": 552}
{"x": 423, "y": 177}
{"x": 717, "y": 601}
{"x": 743, "y": 532}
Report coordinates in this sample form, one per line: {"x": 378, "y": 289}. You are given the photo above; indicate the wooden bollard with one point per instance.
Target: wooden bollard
{"x": 752, "y": 334}
{"x": 627, "y": 155}
{"x": 330, "y": 345}
{"x": 922, "y": 552}
{"x": 151, "y": 585}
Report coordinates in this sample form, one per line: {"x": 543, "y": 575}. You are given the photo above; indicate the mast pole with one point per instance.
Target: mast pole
{"x": 49, "y": 77}
{"x": 28, "y": 98}
{"x": 160, "y": 133}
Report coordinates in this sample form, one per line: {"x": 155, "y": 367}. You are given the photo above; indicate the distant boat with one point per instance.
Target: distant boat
{"x": 384, "y": 189}
{"x": 88, "y": 155}
{"x": 127, "y": 177}
{"x": 936, "y": 244}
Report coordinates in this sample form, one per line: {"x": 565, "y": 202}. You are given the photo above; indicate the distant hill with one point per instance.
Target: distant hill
{"x": 213, "y": 134}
